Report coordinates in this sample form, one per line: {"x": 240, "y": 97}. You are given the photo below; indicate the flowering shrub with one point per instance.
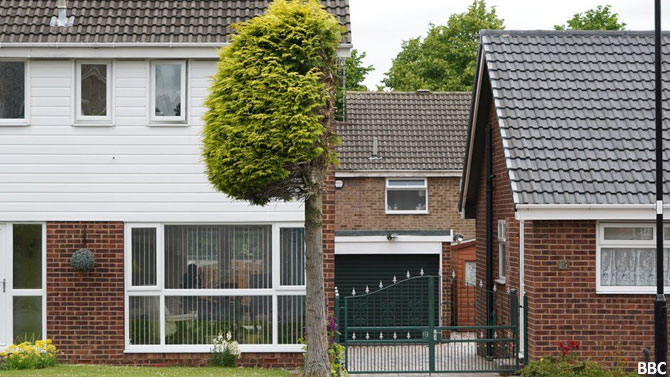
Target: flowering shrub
{"x": 225, "y": 351}
{"x": 568, "y": 346}
{"x": 567, "y": 365}
{"x": 28, "y": 355}
{"x": 335, "y": 351}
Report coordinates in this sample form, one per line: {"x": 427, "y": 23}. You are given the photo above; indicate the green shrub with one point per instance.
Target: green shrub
{"x": 29, "y": 355}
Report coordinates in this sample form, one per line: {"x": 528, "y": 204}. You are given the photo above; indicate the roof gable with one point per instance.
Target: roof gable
{"x": 576, "y": 114}
{"x": 415, "y": 131}
{"x": 135, "y": 21}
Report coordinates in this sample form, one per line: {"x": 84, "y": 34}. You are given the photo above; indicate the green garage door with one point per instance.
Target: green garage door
{"x": 361, "y": 271}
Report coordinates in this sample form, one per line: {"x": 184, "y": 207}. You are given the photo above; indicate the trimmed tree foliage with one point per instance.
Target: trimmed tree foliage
{"x": 445, "y": 59}
{"x": 600, "y": 18}
{"x": 269, "y": 130}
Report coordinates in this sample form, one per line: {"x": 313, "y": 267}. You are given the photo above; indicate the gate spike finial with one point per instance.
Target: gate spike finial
{"x": 495, "y": 288}
{"x": 508, "y": 290}
{"x": 421, "y": 273}
{"x": 453, "y": 274}
{"x": 353, "y": 336}
{"x": 353, "y": 292}
{"x": 481, "y": 334}
{"x": 394, "y": 279}
{"x": 481, "y": 283}
{"x": 367, "y": 336}
{"x": 367, "y": 289}
{"x": 408, "y": 336}
{"x": 408, "y": 275}
{"x": 381, "y": 336}
{"x": 395, "y": 335}
{"x": 381, "y": 285}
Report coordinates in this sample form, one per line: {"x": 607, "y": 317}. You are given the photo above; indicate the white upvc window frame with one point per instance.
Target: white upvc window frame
{"x": 602, "y": 243}
{"x": 178, "y": 120}
{"x": 94, "y": 120}
{"x": 502, "y": 244}
{"x": 25, "y": 121}
{"x": 160, "y": 291}
{"x": 405, "y": 188}
{"x": 33, "y": 292}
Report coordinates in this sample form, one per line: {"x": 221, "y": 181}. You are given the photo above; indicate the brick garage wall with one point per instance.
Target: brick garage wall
{"x": 359, "y": 205}
{"x": 85, "y": 311}
{"x": 564, "y": 304}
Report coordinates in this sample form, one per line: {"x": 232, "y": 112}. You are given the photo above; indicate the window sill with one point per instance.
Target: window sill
{"x": 168, "y": 125}
{"x": 92, "y": 125}
{"x": 407, "y": 212}
{"x": 501, "y": 281}
{"x": 17, "y": 123}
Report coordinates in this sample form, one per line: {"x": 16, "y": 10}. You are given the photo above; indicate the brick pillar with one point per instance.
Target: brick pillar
{"x": 85, "y": 309}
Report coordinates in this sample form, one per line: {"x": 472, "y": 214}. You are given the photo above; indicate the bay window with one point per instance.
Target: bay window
{"x": 626, "y": 258}
{"x": 188, "y": 283}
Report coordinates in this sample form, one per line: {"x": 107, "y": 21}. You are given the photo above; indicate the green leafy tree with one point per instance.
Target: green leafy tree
{"x": 354, "y": 73}
{"x": 269, "y": 129}
{"x": 600, "y": 18}
{"x": 446, "y": 58}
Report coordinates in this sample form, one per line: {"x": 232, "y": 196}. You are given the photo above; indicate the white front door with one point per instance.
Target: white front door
{"x": 5, "y": 294}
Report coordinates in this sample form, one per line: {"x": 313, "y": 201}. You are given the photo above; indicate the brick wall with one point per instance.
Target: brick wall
{"x": 564, "y": 304}
{"x": 359, "y": 205}
{"x": 85, "y": 311}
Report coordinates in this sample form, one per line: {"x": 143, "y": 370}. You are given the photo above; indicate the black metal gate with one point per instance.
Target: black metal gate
{"x": 396, "y": 328}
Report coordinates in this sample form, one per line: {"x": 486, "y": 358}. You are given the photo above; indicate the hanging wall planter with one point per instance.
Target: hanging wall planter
{"x": 83, "y": 260}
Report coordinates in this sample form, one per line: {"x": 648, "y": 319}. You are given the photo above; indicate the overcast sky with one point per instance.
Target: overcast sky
{"x": 380, "y": 26}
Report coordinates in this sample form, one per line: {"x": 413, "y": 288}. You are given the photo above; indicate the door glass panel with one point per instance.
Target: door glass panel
{"x": 27, "y": 251}
{"x": 94, "y": 89}
{"x": 27, "y": 318}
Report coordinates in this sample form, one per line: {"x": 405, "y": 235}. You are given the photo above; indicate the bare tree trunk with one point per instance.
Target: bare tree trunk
{"x": 316, "y": 360}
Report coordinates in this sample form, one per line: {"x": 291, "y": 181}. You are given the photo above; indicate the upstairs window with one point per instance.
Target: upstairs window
{"x": 94, "y": 91}
{"x": 12, "y": 91}
{"x": 168, "y": 91}
{"x": 406, "y": 196}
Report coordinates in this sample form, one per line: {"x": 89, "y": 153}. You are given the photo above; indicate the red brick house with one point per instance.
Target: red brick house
{"x": 397, "y": 189}
{"x": 559, "y": 178}
{"x": 101, "y": 107}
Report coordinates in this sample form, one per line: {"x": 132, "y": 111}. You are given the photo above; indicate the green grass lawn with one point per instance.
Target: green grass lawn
{"x": 110, "y": 371}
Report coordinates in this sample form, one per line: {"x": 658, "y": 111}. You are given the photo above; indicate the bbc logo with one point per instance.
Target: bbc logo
{"x": 651, "y": 368}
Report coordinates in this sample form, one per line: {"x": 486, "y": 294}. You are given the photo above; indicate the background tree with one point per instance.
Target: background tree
{"x": 600, "y": 18}
{"x": 445, "y": 59}
{"x": 269, "y": 131}
{"x": 354, "y": 73}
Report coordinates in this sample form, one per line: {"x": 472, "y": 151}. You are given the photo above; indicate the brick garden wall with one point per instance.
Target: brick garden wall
{"x": 85, "y": 311}
{"x": 359, "y": 205}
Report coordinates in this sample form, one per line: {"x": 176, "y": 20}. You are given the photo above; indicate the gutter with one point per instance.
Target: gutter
{"x": 397, "y": 173}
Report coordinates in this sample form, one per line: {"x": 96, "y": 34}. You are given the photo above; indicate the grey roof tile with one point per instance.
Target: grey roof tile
{"x": 415, "y": 131}
{"x": 134, "y": 21}
{"x": 577, "y": 111}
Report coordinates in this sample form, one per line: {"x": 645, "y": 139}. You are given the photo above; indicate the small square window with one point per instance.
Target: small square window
{"x": 12, "y": 91}
{"x": 94, "y": 92}
{"x": 168, "y": 91}
{"x": 406, "y": 196}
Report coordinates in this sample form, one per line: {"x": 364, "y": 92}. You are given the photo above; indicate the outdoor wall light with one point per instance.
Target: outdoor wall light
{"x": 339, "y": 184}
{"x": 392, "y": 236}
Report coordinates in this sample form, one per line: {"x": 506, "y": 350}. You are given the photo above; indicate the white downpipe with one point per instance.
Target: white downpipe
{"x": 522, "y": 286}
